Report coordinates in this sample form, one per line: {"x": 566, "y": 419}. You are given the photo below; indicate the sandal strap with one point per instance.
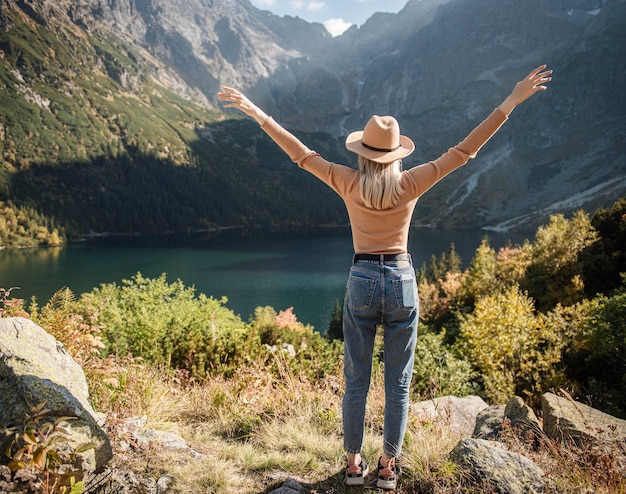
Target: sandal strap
{"x": 357, "y": 470}
{"x": 387, "y": 473}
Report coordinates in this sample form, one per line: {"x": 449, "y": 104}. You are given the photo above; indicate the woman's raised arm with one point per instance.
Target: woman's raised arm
{"x": 524, "y": 89}
{"x": 236, "y": 99}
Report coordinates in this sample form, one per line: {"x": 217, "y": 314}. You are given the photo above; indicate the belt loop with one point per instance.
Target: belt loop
{"x": 382, "y": 259}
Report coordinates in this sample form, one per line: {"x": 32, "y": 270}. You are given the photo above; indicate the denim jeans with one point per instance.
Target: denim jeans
{"x": 379, "y": 293}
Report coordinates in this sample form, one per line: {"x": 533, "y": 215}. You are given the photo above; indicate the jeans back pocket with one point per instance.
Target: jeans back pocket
{"x": 405, "y": 291}
{"x": 360, "y": 291}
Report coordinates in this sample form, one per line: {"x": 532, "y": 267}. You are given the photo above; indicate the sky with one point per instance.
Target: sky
{"x": 336, "y": 15}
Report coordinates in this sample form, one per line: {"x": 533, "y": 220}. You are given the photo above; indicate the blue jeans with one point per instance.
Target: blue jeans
{"x": 379, "y": 293}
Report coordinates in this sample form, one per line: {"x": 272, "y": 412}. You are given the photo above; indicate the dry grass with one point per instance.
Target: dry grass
{"x": 255, "y": 430}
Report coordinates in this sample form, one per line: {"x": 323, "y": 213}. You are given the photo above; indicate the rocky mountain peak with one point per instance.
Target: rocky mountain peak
{"x": 440, "y": 66}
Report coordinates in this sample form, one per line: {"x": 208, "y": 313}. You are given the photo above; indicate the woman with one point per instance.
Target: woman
{"x": 381, "y": 287}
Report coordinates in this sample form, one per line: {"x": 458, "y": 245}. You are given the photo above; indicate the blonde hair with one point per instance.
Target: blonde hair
{"x": 380, "y": 183}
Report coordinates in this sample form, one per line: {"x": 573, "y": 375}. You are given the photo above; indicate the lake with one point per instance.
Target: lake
{"x": 304, "y": 270}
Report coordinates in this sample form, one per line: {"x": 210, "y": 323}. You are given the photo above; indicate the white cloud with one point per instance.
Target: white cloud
{"x": 314, "y": 6}
{"x": 265, "y": 3}
{"x": 296, "y": 4}
{"x": 336, "y": 26}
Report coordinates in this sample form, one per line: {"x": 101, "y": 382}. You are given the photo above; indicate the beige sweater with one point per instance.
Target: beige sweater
{"x": 387, "y": 231}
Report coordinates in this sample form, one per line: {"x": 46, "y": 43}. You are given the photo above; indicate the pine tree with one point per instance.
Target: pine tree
{"x": 335, "y": 327}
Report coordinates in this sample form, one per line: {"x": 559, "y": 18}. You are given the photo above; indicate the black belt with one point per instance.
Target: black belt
{"x": 382, "y": 257}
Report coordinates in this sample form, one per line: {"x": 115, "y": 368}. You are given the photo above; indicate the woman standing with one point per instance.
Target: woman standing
{"x": 381, "y": 288}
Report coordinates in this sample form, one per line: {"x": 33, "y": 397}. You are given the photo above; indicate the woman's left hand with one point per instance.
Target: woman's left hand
{"x": 236, "y": 99}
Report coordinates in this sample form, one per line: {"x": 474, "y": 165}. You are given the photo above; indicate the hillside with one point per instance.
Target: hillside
{"x": 105, "y": 138}
{"x": 109, "y": 123}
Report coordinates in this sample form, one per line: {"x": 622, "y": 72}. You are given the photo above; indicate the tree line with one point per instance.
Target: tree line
{"x": 544, "y": 315}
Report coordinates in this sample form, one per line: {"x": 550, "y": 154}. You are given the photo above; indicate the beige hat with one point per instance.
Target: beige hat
{"x": 380, "y": 141}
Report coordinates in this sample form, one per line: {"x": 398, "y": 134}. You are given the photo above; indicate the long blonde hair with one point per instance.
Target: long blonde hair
{"x": 380, "y": 183}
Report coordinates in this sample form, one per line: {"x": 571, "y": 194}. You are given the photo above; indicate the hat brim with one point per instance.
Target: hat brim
{"x": 353, "y": 143}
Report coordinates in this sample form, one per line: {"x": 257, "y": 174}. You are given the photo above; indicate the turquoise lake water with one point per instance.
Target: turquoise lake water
{"x": 306, "y": 271}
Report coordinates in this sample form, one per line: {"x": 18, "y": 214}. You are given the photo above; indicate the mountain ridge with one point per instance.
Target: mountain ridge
{"x": 147, "y": 71}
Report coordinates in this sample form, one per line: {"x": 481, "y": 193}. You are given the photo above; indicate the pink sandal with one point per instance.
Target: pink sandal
{"x": 356, "y": 474}
{"x": 388, "y": 476}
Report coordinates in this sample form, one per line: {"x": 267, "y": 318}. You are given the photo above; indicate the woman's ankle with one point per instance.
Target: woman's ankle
{"x": 387, "y": 461}
{"x": 354, "y": 459}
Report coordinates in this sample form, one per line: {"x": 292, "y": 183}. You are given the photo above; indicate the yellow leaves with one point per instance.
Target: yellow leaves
{"x": 22, "y": 226}
{"x": 78, "y": 333}
{"x": 509, "y": 345}
{"x": 34, "y": 448}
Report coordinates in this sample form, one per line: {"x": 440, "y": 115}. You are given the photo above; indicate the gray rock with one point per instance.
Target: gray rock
{"x": 289, "y": 487}
{"x": 491, "y": 466}
{"x": 34, "y": 369}
{"x": 457, "y": 413}
{"x": 566, "y": 419}
{"x": 523, "y": 418}
{"x": 167, "y": 440}
{"x": 489, "y": 422}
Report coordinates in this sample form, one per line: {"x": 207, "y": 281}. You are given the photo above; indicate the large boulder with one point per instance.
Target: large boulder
{"x": 459, "y": 414}
{"x": 567, "y": 419}
{"x": 493, "y": 468}
{"x": 36, "y": 369}
{"x": 520, "y": 416}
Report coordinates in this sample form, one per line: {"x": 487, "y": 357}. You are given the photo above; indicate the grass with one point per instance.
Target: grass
{"x": 255, "y": 430}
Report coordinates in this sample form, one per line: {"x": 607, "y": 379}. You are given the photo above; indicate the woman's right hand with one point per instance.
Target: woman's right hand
{"x": 524, "y": 89}
{"x": 236, "y": 99}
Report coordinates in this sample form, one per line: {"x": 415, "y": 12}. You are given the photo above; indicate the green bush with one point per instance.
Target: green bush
{"x": 315, "y": 356}
{"x": 596, "y": 359}
{"x": 605, "y": 259}
{"x": 554, "y": 275}
{"x": 167, "y": 323}
{"x": 438, "y": 371}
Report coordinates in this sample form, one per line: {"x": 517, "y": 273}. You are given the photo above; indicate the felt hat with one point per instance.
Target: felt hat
{"x": 380, "y": 141}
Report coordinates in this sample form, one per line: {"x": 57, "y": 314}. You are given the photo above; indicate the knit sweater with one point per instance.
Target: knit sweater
{"x": 385, "y": 231}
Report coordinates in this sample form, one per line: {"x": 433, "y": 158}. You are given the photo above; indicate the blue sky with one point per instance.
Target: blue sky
{"x": 336, "y": 15}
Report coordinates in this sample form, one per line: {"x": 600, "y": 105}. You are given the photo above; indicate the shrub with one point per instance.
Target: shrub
{"x": 514, "y": 350}
{"x": 315, "y": 356}
{"x": 554, "y": 274}
{"x": 596, "y": 360}
{"x": 437, "y": 370}
{"x": 605, "y": 259}
{"x": 167, "y": 323}
{"x": 11, "y": 307}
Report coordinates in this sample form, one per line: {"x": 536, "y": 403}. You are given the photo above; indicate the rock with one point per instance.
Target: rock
{"x": 566, "y": 419}
{"x": 167, "y": 440}
{"x": 491, "y": 466}
{"x": 519, "y": 413}
{"x": 523, "y": 418}
{"x": 457, "y": 413}
{"x": 489, "y": 422}
{"x": 289, "y": 487}
{"x": 36, "y": 369}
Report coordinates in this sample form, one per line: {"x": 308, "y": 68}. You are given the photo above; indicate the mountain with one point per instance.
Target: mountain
{"x": 110, "y": 121}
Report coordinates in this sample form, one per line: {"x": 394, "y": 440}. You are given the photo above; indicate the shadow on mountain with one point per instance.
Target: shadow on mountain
{"x": 235, "y": 176}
